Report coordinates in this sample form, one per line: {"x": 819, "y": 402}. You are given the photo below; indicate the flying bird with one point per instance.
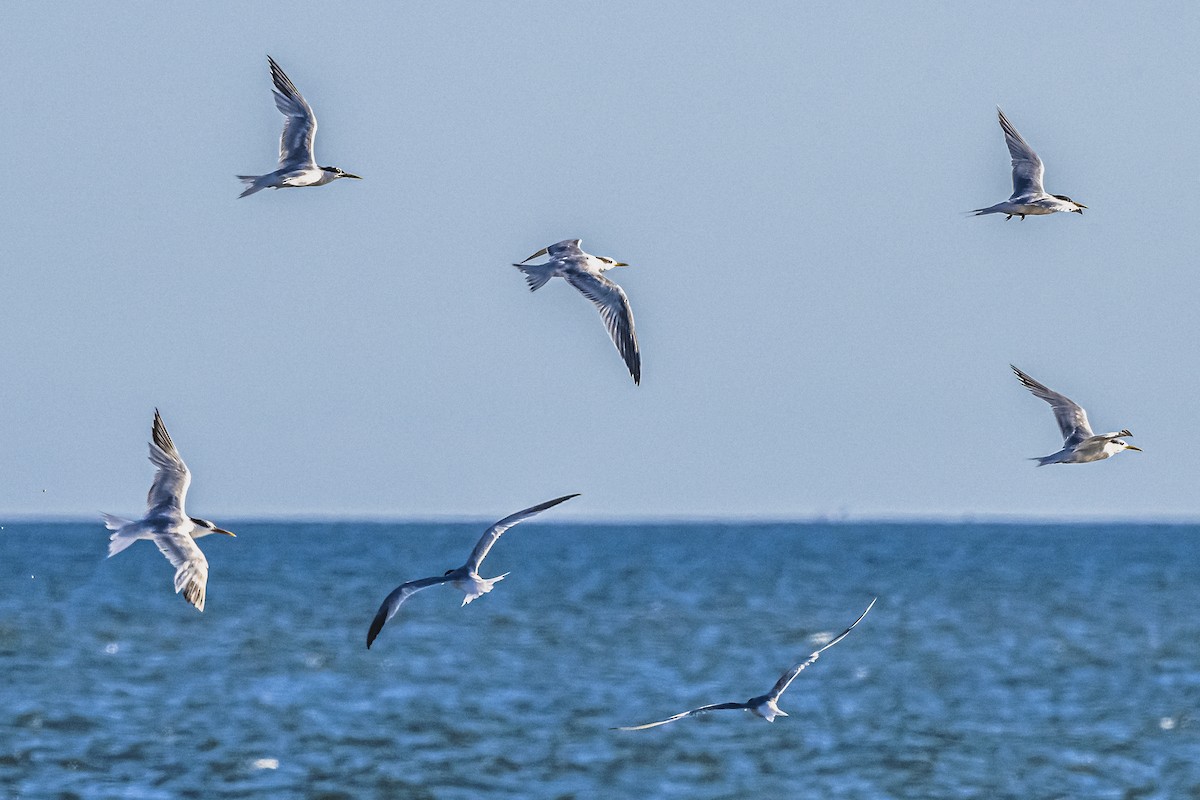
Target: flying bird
{"x": 166, "y": 523}
{"x": 297, "y": 163}
{"x": 1028, "y": 196}
{"x": 765, "y": 705}
{"x": 586, "y": 273}
{"x": 465, "y": 578}
{"x": 1080, "y": 445}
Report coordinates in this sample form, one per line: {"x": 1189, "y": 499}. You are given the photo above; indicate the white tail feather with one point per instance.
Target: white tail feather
{"x": 252, "y": 184}
{"x": 126, "y": 532}
{"x": 536, "y": 275}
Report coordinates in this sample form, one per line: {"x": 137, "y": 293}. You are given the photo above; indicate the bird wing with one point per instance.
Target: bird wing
{"x": 300, "y": 127}
{"x": 171, "y": 482}
{"x": 567, "y": 247}
{"x": 1072, "y": 419}
{"x": 393, "y": 601}
{"x": 786, "y": 679}
{"x": 614, "y": 309}
{"x": 700, "y": 710}
{"x": 191, "y": 567}
{"x": 1027, "y": 167}
{"x": 493, "y": 533}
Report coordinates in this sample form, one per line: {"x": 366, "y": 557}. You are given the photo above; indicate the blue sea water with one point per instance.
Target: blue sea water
{"x": 1001, "y": 661}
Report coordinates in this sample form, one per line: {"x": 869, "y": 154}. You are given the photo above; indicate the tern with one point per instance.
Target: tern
{"x": 1028, "y": 196}
{"x": 1080, "y": 445}
{"x": 765, "y": 705}
{"x": 165, "y": 522}
{"x": 465, "y": 578}
{"x": 297, "y": 164}
{"x": 586, "y": 273}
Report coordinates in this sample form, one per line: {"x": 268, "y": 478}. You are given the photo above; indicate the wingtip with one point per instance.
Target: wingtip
{"x": 376, "y": 626}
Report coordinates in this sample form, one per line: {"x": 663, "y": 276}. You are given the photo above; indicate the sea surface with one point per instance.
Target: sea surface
{"x": 1001, "y": 661}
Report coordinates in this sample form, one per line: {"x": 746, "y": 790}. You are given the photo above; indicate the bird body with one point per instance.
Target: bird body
{"x": 297, "y": 162}
{"x": 1028, "y": 196}
{"x": 1080, "y": 444}
{"x": 764, "y": 705}
{"x": 166, "y": 523}
{"x": 465, "y": 578}
{"x": 586, "y": 273}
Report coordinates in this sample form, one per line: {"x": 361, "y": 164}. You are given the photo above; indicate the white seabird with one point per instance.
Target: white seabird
{"x": 1028, "y": 196}
{"x": 166, "y": 523}
{"x": 297, "y": 163}
{"x": 586, "y": 273}
{"x": 1080, "y": 445}
{"x": 465, "y": 578}
{"x": 765, "y": 705}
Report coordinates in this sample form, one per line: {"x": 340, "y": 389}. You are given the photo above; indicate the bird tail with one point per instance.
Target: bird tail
{"x": 252, "y": 184}
{"x": 482, "y": 587}
{"x": 536, "y": 275}
{"x": 125, "y": 533}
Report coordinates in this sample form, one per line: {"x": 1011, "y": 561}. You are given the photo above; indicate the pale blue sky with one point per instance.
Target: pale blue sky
{"x": 823, "y": 330}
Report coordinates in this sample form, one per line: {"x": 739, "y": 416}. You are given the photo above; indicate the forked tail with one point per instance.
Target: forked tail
{"x": 536, "y": 275}
{"x": 125, "y": 533}
{"x": 253, "y": 184}
{"x": 481, "y": 587}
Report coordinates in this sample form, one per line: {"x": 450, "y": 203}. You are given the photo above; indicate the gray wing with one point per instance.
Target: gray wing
{"x": 493, "y": 533}
{"x": 614, "y": 309}
{"x": 171, "y": 482}
{"x": 786, "y": 679}
{"x": 191, "y": 567}
{"x": 1072, "y": 419}
{"x": 1026, "y": 166}
{"x": 700, "y": 710}
{"x": 300, "y": 127}
{"x": 393, "y": 601}
{"x": 565, "y": 248}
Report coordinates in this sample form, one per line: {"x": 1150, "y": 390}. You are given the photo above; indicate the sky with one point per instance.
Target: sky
{"x": 824, "y": 331}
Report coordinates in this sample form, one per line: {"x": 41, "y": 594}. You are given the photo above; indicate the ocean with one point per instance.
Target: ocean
{"x": 1001, "y": 661}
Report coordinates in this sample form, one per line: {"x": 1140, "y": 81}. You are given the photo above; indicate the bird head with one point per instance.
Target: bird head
{"x": 338, "y": 172}
{"x": 1079, "y": 207}
{"x": 609, "y": 263}
{"x": 1124, "y": 445}
{"x": 204, "y": 528}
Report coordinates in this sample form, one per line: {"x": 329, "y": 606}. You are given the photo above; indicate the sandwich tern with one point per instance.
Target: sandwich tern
{"x": 1028, "y": 196}
{"x": 297, "y": 164}
{"x": 586, "y": 273}
{"x": 765, "y": 705}
{"x": 465, "y": 578}
{"x": 1080, "y": 445}
{"x": 165, "y": 522}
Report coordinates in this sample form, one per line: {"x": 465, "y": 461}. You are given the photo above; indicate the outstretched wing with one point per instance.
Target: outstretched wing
{"x": 1027, "y": 169}
{"x": 614, "y": 309}
{"x": 493, "y": 533}
{"x": 300, "y": 127}
{"x": 786, "y": 679}
{"x": 191, "y": 567}
{"x": 567, "y": 247}
{"x": 700, "y": 710}
{"x": 1072, "y": 419}
{"x": 392, "y": 603}
{"x": 171, "y": 482}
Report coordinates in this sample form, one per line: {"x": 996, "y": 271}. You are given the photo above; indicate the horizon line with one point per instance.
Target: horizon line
{"x": 961, "y": 518}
